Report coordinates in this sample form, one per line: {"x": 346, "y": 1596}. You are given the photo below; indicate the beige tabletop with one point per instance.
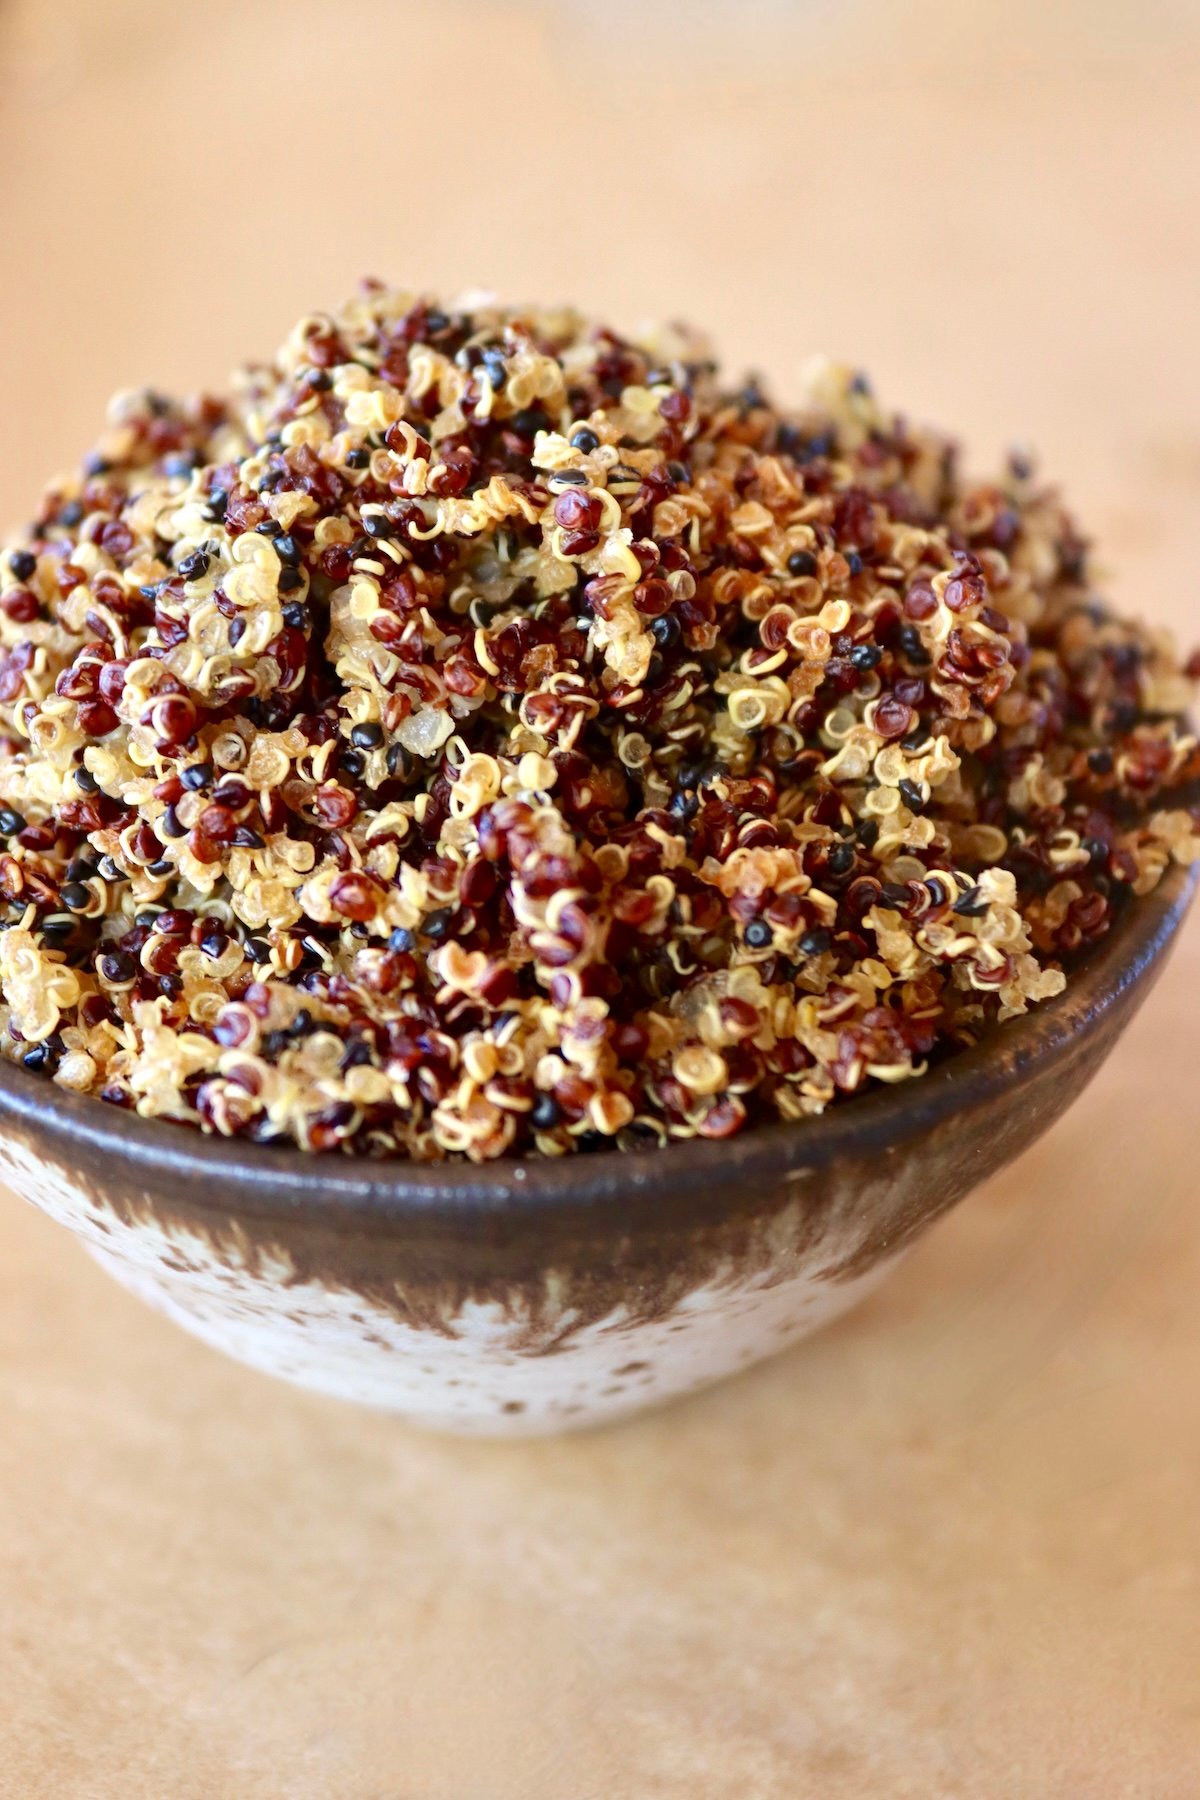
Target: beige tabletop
{"x": 951, "y": 1547}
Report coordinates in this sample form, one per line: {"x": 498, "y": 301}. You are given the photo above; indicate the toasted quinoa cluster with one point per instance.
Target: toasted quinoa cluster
{"x": 483, "y": 734}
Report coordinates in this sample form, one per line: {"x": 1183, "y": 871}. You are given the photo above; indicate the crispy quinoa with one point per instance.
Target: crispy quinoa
{"x": 483, "y": 734}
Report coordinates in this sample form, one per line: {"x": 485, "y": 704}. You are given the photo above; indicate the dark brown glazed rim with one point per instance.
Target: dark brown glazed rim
{"x": 263, "y": 1182}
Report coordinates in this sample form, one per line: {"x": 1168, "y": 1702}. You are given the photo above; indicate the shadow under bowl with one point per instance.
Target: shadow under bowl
{"x": 536, "y": 1296}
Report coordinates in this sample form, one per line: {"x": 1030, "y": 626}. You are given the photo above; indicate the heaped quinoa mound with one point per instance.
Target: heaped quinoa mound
{"x": 483, "y": 734}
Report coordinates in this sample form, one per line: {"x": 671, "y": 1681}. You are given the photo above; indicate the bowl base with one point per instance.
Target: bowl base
{"x": 474, "y": 1380}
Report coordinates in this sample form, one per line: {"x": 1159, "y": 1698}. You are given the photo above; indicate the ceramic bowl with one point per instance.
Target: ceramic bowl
{"x": 537, "y": 1296}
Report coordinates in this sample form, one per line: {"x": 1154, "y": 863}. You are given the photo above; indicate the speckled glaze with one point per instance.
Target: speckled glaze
{"x": 532, "y": 1297}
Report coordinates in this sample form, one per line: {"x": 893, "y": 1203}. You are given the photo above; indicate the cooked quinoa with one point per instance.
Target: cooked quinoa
{"x": 484, "y": 734}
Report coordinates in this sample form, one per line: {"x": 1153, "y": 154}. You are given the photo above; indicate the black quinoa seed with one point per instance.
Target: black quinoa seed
{"x": 194, "y": 566}
{"x": 437, "y": 924}
{"x": 913, "y": 648}
{"x": 971, "y": 904}
{"x": 546, "y": 1113}
{"x": 116, "y": 967}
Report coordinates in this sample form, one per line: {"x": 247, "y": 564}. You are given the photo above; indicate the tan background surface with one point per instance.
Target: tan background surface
{"x": 951, "y": 1548}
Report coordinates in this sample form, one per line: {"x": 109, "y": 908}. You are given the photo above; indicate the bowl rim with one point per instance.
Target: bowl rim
{"x": 227, "y": 1175}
